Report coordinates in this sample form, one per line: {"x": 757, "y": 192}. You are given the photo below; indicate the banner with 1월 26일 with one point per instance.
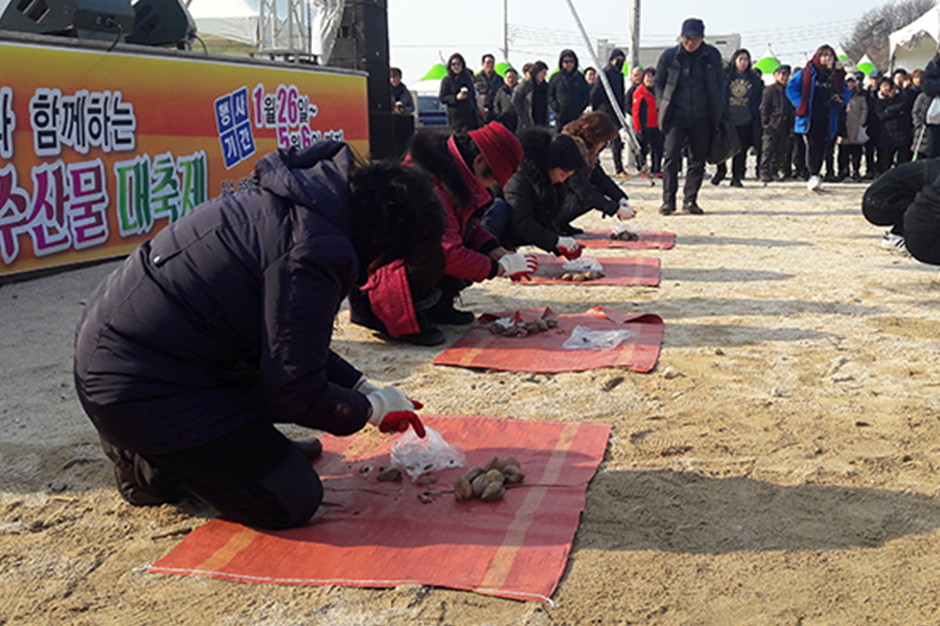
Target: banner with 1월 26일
{"x": 99, "y": 151}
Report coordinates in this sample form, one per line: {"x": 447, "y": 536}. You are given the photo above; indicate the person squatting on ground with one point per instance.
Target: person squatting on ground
{"x": 403, "y": 302}
{"x": 590, "y": 187}
{"x": 744, "y": 91}
{"x": 818, "y": 92}
{"x": 190, "y": 352}
{"x": 691, "y": 97}
{"x": 531, "y": 98}
{"x": 646, "y": 123}
{"x": 458, "y": 94}
{"x": 601, "y": 102}
{"x": 776, "y": 120}
{"x": 852, "y": 135}
{"x": 488, "y": 84}
{"x": 535, "y": 194}
{"x": 568, "y": 92}
{"x": 907, "y": 198}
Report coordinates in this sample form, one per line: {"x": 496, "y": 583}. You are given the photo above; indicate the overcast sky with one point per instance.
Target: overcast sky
{"x": 420, "y": 30}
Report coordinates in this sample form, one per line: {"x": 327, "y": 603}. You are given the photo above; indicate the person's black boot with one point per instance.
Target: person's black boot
{"x": 693, "y": 208}
{"x": 430, "y": 336}
{"x": 667, "y": 209}
{"x": 139, "y": 482}
{"x": 444, "y": 313}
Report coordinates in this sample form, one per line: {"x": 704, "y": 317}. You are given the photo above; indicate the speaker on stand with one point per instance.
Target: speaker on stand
{"x": 362, "y": 44}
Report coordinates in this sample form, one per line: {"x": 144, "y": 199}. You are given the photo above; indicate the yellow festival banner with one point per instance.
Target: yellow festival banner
{"x": 100, "y": 150}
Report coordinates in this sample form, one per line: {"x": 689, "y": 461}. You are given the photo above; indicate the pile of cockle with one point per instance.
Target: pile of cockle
{"x": 580, "y": 277}
{"x": 488, "y": 483}
{"x": 516, "y": 327}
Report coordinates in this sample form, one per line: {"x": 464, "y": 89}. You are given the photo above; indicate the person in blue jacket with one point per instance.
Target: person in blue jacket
{"x": 219, "y": 327}
{"x": 819, "y": 93}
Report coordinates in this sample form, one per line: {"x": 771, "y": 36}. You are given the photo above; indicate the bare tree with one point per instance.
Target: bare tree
{"x": 870, "y": 35}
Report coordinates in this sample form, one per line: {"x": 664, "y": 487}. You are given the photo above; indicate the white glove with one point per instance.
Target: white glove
{"x": 625, "y": 212}
{"x": 569, "y": 247}
{"x": 387, "y": 400}
{"x": 363, "y": 386}
{"x": 517, "y": 264}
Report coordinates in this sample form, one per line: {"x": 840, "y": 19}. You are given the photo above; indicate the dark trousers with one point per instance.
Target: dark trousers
{"x": 253, "y": 475}
{"x": 816, "y": 140}
{"x": 850, "y": 160}
{"x": 933, "y": 142}
{"x": 776, "y": 152}
{"x": 616, "y": 149}
{"x": 889, "y": 155}
{"x": 681, "y": 133}
{"x": 651, "y": 143}
{"x": 739, "y": 161}
{"x": 871, "y": 151}
{"x": 799, "y": 156}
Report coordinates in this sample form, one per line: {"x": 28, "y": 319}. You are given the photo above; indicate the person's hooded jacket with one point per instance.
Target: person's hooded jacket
{"x": 225, "y": 316}
{"x": 568, "y": 92}
{"x": 614, "y": 74}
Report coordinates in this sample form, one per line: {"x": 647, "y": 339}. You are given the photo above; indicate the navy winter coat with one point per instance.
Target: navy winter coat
{"x": 225, "y": 317}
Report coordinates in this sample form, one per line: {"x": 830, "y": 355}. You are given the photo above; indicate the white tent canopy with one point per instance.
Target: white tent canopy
{"x": 229, "y": 19}
{"x": 914, "y": 45}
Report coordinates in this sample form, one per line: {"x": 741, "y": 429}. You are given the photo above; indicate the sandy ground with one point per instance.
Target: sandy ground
{"x": 785, "y": 477}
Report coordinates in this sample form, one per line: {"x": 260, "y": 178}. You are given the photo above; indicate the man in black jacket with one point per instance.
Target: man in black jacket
{"x": 568, "y": 92}
{"x": 219, "y": 327}
{"x": 488, "y": 84}
{"x": 600, "y": 102}
{"x": 690, "y": 93}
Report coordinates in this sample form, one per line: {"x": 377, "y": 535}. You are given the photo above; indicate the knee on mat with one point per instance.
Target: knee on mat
{"x": 296, "y": 492}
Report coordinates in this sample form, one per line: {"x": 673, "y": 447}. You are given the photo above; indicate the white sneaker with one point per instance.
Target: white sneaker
{"x": 891, "y": 241}
{"x": 814, "y": 184}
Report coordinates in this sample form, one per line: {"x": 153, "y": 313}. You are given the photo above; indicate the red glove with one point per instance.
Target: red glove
{"x": 390, "y": 411}
{"x": 569, "y": 247}
{"x": 399, "y": 421}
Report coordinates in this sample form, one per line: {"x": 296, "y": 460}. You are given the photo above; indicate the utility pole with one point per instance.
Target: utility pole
{"x": 634, "y": 34}
{"x": 506, "y": 31}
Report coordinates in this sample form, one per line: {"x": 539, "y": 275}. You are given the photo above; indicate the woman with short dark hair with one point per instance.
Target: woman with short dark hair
{"x": 218, "y": 328}
{"x": 459, "y": 95}
{"x": 535, "y": 194}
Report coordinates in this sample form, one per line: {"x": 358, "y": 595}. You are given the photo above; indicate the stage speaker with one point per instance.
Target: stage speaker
{"x": 362, "y": 44}
{"x": 162, "y": 23}
{"x": 72, "y": 18}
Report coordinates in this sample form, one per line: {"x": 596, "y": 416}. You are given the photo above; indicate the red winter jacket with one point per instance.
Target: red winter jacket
{"x": 644, "y": 109}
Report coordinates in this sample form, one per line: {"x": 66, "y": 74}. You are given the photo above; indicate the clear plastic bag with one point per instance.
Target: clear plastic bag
{"x": 419, "y": 456}
{"x": 583, "y": 264}
{"x": 583, "y": 338}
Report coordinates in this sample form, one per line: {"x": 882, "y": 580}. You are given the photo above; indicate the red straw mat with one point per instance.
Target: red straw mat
{"x": 649, "y": 240}
{"x": 543, "y": 352}
{"x": 617, "y": 271}
{"x": 373, "y": 534}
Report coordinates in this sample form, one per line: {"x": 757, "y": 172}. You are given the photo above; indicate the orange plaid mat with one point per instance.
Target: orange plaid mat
{"x": 543, "y": 352}
{"x": 634, "y": 271}
{"x": 372, "y": 534}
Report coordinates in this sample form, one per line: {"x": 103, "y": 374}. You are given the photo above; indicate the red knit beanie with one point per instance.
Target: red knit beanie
{"x": 500, "y": 149}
